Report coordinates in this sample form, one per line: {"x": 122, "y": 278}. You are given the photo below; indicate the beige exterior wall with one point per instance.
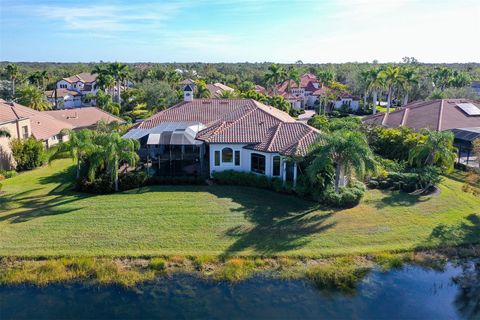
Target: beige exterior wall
{"x": 16, "y": 131}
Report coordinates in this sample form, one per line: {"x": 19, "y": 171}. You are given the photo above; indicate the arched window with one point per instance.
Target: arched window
{"x": 276, "y": 166}
{"x": 227, "y": 155}
{"x": 257, "y": 163}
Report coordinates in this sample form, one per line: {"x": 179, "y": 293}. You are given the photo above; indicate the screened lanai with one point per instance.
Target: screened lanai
{"x": 171, "y": 149}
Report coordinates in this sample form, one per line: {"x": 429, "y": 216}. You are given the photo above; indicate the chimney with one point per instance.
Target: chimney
{"x": 188, "y": 93}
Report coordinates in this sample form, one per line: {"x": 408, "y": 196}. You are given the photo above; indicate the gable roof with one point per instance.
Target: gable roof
{"x": 217, "y": 88}
{"x": 244, "y": 121}
{"x": 81, "y": 77}
{"x": 83, "y": 117}
{"x": 43, "y": 125}
{"x": 441, "y": 114}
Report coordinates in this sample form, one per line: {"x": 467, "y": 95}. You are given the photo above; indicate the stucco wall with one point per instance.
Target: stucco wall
{"x": 245, "y": 159}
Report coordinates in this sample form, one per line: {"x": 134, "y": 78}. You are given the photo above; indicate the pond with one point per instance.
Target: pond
{"x": 411, "y": 292}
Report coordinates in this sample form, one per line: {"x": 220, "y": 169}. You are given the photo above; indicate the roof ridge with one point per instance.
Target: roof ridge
{"x": 274, "y": 135}
{"x": 440, "y": 115}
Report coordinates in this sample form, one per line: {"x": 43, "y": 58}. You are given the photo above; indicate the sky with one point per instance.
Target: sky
{"x": 284, "y": 31}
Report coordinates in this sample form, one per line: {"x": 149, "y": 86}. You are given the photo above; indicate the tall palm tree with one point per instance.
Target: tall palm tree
{"x": 409, "y": 81}
{"x": 35, "y": 78}
{"x": 437, "y": 150}
{"x": 293, "y": 75}
{"x": 13, "y": 73}
{"x": 116, "y": 150}
{"x": 117, "y": 71}
{"x": 375, "y": 84}
{"x": 275, "y": 75}
{"x": 79, "y": 145}
{"x": 325, "y": 77}
{"x": 347, "y": 151}
{"x": 393, "y": 78}
{"x": 4, "y": 133}
{"x": 365, "y": 79}
{"x": 32, "y": 97}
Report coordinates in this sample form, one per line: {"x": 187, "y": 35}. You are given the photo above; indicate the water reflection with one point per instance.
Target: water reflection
{"x": 411, "y": 292}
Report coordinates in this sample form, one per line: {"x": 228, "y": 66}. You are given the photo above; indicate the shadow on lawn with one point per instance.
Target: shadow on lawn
{"x": 466, "y": 232}
{"x": 399, "y": 199}
{"x": 27, "y": 205}
{"x": 280, "y": 222}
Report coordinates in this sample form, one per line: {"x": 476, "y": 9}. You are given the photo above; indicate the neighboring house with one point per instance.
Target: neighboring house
{"x": 64, "y": 98}
{"x": 309, "y": 92}
{"x": 216, "y": 89}
{"x": 202, "y": 136}
{"x": 86, "y": 117}
{"x": 476, "y": 87}
{"x": 23, "y": 122}
{"x": 461, "y": 116}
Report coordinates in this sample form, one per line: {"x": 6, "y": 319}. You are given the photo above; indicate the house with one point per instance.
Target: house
{"x": 83, "y": 118}
{"x": 23, "y": 122}
{"x": 461, "y": 116}
{"x": 83, "y": 84}
{"x": 309, "y": 92}
{"x": 64, "y": 98}
{"x": 202, "y": 136}
{"x": 217, "y": 88}
{"x": 476, "y": 87}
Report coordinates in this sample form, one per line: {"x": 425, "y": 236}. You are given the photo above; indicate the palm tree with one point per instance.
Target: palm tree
{"x": 375, "y": 84}
{"x": 347, "y": 151}
{"x": 409, "y": 81}
{"x": 32, "y": 97}
{"x": 325, "y": 77}
{"x": 202, "y": 89}
{"x": 35, "y": 78}
{"x": 4, "y": 133}
{"x": 275, "y": 75}
{"x": 117, "y": 71}
{"x": 116, "y": 150}
{"x": 393, "y": 78}
{"x": 437, "y": 150}
{"x": 106, "y": 82}
{"x": 79, "y": 145}
{"x": 13, "y": 73}
{"x": 365, "y": 79}
{"x": 293, "y": 75}
{"x": 227, "y": 94}
{"x": 43, "y": 76}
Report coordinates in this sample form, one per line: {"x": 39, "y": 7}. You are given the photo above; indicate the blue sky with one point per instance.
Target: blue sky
{"x": 239, "y": 31}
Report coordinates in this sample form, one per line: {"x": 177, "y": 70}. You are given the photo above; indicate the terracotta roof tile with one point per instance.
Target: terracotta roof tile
{"x": 83, "y": 117}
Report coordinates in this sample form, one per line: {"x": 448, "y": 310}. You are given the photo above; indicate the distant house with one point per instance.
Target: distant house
{"x": 461, "y": 116}
{"x": 476, "y": 87}
{"x": 202, "y": 136}
{"x": 217, "y": 88}
{"x": 308, "y": 93}
{"x": 83, "y": 83}
{"x": 64, "y": 98}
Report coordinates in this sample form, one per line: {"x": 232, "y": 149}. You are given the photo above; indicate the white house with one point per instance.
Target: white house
{"x": 64, "y": 98}
{"x": 202, "y": 136}
{"x": 82, "y": 84}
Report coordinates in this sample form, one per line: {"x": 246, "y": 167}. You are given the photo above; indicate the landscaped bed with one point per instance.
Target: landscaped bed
{"x": 40, "y": 216}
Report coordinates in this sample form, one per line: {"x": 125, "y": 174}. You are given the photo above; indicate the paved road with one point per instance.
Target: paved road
{"x": 307, "y": 115}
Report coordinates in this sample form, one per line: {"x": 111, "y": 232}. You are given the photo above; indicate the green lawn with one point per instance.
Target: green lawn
{"x": 39, "y": 216}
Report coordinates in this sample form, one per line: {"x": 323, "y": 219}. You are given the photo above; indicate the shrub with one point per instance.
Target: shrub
{"x": 1, "y": 185}
{"x": 7, "y": 174}
{"x": 100, "y": 185}
{"x": 249, "y": 179}
{"x": 186, "y": 180}
{"x": 347, "y": 197}
{"x": 28, "y": 153}
{"x": 132, "y": 180}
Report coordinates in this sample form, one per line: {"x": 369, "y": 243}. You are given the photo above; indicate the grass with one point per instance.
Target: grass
{"x": 41, "y": 217}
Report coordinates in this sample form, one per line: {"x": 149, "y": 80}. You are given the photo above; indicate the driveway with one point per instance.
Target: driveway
{"x": 307, "y": 115}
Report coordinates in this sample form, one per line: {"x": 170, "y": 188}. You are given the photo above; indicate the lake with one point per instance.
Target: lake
{"x": 411, "y": 292}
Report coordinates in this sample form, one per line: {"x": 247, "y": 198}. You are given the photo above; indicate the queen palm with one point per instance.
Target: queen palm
{"x": 293, "y": 75}
{"x": 275, "y": 74}
{"x": 347, "y": 151}
{"x": 437, "y": 150}
{"x": 13, "y": 73}
{"x": 79, "y": 145}
{"x": 202, "y": 89}
{"x": 393, "y": 78}
{"x": 32, "y": 97}
{"x": 375, "y": 84}
{"x": 409, "y": 81}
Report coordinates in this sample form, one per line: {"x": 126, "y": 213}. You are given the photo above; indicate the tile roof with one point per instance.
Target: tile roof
{"x": 217, "y": 88}
{"x": 240, "y": 121}
{"x": 82, "y": 77}
{"x": 442, "y": 114}
{"x": 61, "y": 93}
{"x": 43, "y": 125}
{"x": 83, "y": 117}
{"x": 7, "y": 112}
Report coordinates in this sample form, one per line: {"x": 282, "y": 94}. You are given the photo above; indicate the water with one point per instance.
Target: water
{"x": 409, "y": 293}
